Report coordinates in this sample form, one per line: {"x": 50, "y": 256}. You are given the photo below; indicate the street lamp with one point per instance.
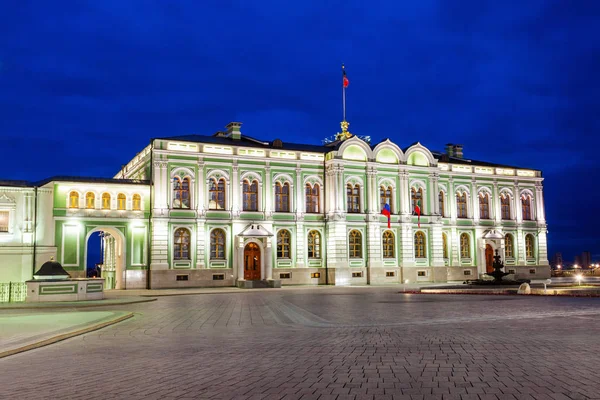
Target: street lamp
{"x": 558, "y": 267}
{"x": 579, "y": 277}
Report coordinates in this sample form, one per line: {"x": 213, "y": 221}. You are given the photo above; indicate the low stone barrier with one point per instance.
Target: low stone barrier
{"x": 65, "y": 290}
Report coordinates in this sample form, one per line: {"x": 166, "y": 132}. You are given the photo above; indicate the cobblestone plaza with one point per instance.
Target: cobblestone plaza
{"x": 324, "y": 343}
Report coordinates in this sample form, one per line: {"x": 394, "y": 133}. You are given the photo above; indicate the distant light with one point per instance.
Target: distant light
{"x": 558, "y": 267}
{"x": 579, "y": 277}
{"x": 406, "y": 281}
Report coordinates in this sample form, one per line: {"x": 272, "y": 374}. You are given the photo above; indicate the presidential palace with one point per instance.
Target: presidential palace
{"x": 228, "y": 209}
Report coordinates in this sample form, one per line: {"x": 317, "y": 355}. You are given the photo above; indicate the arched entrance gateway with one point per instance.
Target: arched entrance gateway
{"x": 489, "y": 258}
{"x": 113, "y": 257}
{"x": 491, "y": 241}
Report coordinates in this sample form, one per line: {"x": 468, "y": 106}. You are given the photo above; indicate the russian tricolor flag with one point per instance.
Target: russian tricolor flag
{"x": 387, "y": 212}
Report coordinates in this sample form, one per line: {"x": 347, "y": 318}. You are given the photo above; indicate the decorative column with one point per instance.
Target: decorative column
{"x": 475, "y": 201}
{"x": 201, "y": 198}
{"x": 451, "y": 201}
{"x": 200, "y": 245}
{"x": 404, "y": 193}
{"x": 240, "y": 258}
{"x": 268, "y": 192}
{"x": 299, "y": 191}
{"x": 434, "y": 193}
{"x": 539, "y": 203}
{"x": 300, "y": 211}
{"x": 542, "y": 247}
{"x": 268, "y": 260}
{"x": 372, "y": 205}
{"x": 454, "y": 247}
{"x": 517, "y": 203}
{"x": 339, "y": 174}
{"x": 233, "y": 187}
{"x": 496, "y": 203}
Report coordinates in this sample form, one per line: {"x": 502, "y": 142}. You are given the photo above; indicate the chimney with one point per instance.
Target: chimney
{"x": 458, "y": 150}
{"x": 450, "y": 149}
{"x": 233, "y": 130}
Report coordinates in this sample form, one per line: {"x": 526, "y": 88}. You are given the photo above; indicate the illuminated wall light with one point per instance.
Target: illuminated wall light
{"x": 218, "y": 149}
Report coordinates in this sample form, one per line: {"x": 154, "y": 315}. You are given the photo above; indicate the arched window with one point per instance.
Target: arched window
{"x": 461, "y": 205}
{"x": 121, "y": 201}
{"x": 353, "y": 198}
{"x": 526, "y": 204}
{"x": 73, "y": 200}
{"x": 250, "y": 195}
{"x": 441, "y": 203}
{"x": 385, "y": 197}
{"x": 282, "y": 197}
{"x": 283, "y": 243}
{"x": 216, "y": 195}
{"x": 181, "y": 244}
{"x": 419, "y": 245}
{"x": 465, "y": 247}
{"x": 484, "y": 206}
{"x": 529, "y": 245}
{"x": 388, "y": 244}
{"x": 106, "y": 201}
{"x": 181, "y": 192}
{"x": 355, "y": 244}
{"x": 505, "y": 206}
{"x": 444, "y": 245}
{"x": 508, "y": 246}
{"x": 417, "y": 199}
{"x": 314, "y": 244}
{"x": 137, "y": 202}
{"x": 217, "y": 244}
{"x": 312, "y": 198}
{"x": 90, "y": 199}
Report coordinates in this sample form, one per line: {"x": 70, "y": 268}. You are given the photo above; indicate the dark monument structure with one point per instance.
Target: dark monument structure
{"x": 498, "y": 274}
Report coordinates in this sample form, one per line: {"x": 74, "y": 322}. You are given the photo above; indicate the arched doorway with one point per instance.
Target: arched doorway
{"x": 112, "y": 267}
{"x": 252, "y": 262}
{"x": 489, "y": 258}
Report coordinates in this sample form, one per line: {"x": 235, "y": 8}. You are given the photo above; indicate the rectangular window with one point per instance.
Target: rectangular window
{"x": 250, "y": 196}
{"x": 505, "y": 207}
{"x": 315, "y": 275}
{"x": 182, "y": 277}
{"x": 218, "y": 277}
{"x": 421, "y": 273}
{"x": 461, "y": 205}
{"x": 390, "y": 274}
{"x": 467, "y": 272}
{"x": 312, "y": 198}
{"x": 532, "y": 271}
{"x": 285, "y": 275}
{"x": 353, "y": 198}
{"x": 357, "y": 274}
{"x": 282, "y": 197}
{"x": 512, "y": 271}
{"x": 4, "y": 221}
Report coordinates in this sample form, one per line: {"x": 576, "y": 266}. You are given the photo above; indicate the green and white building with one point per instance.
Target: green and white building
{"x": 227, "y": 209}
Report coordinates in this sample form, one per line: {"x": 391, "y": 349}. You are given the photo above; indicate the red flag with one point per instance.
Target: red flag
{"x": 387, "y": 212}
{"x": 418, "y": 211}
{"x": 345, "y": 80}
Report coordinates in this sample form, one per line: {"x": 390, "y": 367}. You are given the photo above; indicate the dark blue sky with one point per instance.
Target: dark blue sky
{"x": 84, "y": 85}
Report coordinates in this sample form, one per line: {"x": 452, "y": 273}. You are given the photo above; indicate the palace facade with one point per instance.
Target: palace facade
{"x": 228, "y": 209}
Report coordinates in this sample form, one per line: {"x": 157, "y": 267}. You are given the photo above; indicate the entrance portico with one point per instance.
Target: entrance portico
{"x": 490, "y": 241}
{"x": 254, "y": 254}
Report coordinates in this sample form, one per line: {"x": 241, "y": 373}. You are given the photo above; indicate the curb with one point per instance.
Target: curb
{"x": 55, "y": 305}
{"x": 64, "y": 336}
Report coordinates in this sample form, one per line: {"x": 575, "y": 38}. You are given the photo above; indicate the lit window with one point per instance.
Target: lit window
{"x": 461, "y": 205}
{"x": 312, "y": 198}
{"x": 283, "y": 244}
{"x": 90, "y": 199}
{"x": 106, "y": 201}
{"x": 73, "y": 200}
{"x": 441, "y": 202}
{"x": 181, "y": 244}
{"x": 137, "y": 202}
{"x": 250, "y": 195}
{"x": 526, "y": 205}
{"x": 181, "y": 192}
{"x": 484, "y": 206}
{"x": 416, "y": 197}
{"x": 121, "y": 201}
{"x": 282, "y": 197}
{"x": 4, "y": 216}
{"x": 419, "y": 245}
{"x": 388, "y": 244}
{"x": 314, "y": 244}
{"x": 465, "y": 248}
{"x": 505, "y": 206}
{"x": 508, "y": 246}
{"x": 355, "y": 244}
{"x": 216, "y": 194}
{"x": 217, "y": 244}
{"x": 385, "y": 197}
{"x": 529, "y": 245}
{"x": 353, "y": 198}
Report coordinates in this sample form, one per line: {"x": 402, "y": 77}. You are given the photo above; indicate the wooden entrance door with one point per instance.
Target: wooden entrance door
{"x": 252, "y": 262}
{"x": 489, "y": 258}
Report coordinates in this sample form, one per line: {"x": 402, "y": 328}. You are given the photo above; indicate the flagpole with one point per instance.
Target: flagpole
{"x": 343, "y": 95}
